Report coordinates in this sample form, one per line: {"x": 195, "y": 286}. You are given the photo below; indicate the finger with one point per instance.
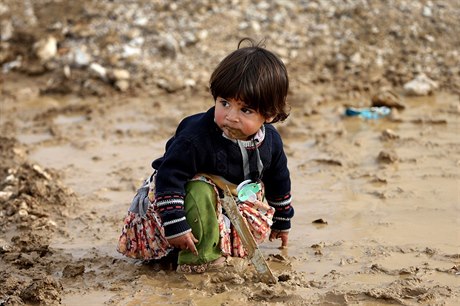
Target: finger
{"x": 194, "y": 239}
{"x": 190, "y": 243}
{"x": 195, "y": 251}
{"x": 192, "y": 248}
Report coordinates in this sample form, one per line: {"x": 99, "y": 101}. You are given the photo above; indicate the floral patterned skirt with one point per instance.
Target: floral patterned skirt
{"x": 142, "y": 236}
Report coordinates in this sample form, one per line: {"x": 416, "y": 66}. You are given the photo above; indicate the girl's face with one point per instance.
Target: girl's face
{"x": 236, "y": 120}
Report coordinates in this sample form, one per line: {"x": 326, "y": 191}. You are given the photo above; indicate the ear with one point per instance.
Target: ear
{"x": 269, "y": 119}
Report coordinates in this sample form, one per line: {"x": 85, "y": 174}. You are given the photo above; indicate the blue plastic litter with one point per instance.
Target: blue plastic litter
{"x": 369, "y": 112}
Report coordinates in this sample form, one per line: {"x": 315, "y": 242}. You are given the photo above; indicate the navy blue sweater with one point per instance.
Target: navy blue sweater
{"x": 198, "y": 146}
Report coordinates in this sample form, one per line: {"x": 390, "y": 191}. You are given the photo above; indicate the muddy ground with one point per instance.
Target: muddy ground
{"x": 91, "y": 91}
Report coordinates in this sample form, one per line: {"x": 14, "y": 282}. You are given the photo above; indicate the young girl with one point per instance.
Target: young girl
{"x": 234, "y": 141}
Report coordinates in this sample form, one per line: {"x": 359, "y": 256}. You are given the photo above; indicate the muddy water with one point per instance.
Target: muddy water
{"x": 387, "y": 222}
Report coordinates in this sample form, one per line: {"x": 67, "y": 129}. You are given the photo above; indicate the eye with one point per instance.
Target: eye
{"x": 224, "y": 102}
{"x": 247, "y": 111}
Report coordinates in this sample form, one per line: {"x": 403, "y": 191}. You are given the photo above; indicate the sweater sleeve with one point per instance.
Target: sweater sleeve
{"x": 178, "y": 166}
{"x": 283, "y": 212}
{"x": 278, "y": 186}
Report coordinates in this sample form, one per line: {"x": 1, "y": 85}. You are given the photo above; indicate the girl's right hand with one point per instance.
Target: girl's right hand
{"x": 275, "y": 234}
{"x": 185, "y": 242}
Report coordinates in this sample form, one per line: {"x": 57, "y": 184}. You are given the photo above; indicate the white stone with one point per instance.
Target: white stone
{"x": 5, "y": 195}
{"x": 427, "y": 12}
{"x": 67, "y": 71}
{"x": 190, "y": 83}
{"x": 98, "y": 70}
{"x": 42, "y": 172}
{"x": 46, "y": 48}
{"x": 10, "y": 179}
{"x": 23, "y": 213}
{"x": 129, "y": 51}
{"x": 420, "y": 86}
{"x": 121, "y": 74}
{"x": 122, "y": 85}
{"x": 23, "y": 205}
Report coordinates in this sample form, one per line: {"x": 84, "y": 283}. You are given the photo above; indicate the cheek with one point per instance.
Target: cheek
{"x": 219, "y": 116}
{"x": 250, "y": 127}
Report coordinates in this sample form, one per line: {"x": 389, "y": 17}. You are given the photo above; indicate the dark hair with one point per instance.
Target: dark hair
{"x": 255, "y": 76}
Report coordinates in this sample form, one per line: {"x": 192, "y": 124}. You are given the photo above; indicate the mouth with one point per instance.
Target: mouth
{"x": 233, "y": 133}
{"x": 229, "y": 128}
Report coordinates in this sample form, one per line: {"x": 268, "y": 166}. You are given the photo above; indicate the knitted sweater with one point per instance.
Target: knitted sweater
{"x": 199, "y": 146}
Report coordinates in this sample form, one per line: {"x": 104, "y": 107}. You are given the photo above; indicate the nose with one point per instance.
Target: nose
{"x": 232, "y": 115}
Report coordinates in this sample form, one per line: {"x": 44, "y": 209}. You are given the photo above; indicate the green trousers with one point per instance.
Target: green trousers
{"x": 200, "y": 212}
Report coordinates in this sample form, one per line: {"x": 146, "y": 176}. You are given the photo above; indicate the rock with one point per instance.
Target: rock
{"x": 387, "y": 157}
{"x": 170, "y": 85}
{"x": 122, "y": 85}
{"x": 45, "y": 291}
{"x": 119, "y": 74}
{"x": 99, "y": 71}
{"x": 46, "y": 48}
{"x": 73, "y": 270}
{"x": 5, "y": 196}
{"x": 427, "y": 12}
{"x": 23, "y": 213}
{"x": 130, "y": 51}
{"x": 4, "y": 246}
{"x": 17, "y": 63}
{"x": 168, "y": 46}
{"x": 420, "y": 86}
{"x": 94, "y": 87}
{"x": 389, "y": 134}
{"x": 67, "y": 72}
{"x": 42, "y": 172}
{"x": 388, "y": 98}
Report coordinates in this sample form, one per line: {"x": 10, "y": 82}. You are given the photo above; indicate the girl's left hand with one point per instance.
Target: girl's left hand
{"x": 185, "y": 242}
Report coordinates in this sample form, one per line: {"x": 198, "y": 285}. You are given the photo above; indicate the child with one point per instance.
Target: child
{"x": 232, "y": 142}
